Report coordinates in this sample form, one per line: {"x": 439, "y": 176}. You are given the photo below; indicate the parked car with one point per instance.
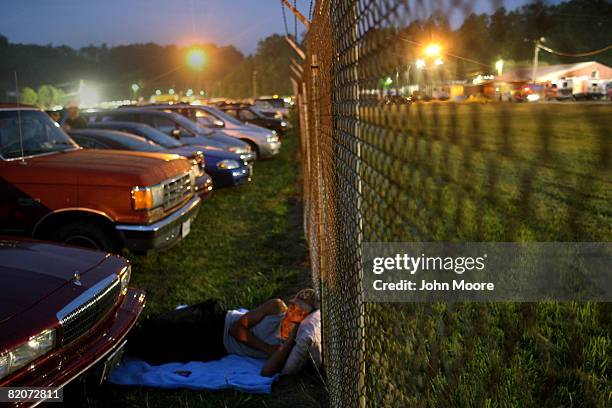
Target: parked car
{"x": 64, "y": 313}
{"x": 52, "y": 189}
{"x": 223, "y": 173}
{"x": 274, "y": 105}
{"x": 177, "y": 126}
{"x": 264, "y": 142}
{"x": 249, "y": 114}
{"x": 115, "y": 140}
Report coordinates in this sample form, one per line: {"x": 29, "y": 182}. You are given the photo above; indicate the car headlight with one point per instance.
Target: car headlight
{"x": 124, "y": 277}
{"x": 147, "y": 198}
{"x": 27, "y": 352}
{"x": 273, "y": 138}
{"x": 228, "y": 164}
{"x": 240, "y": 150}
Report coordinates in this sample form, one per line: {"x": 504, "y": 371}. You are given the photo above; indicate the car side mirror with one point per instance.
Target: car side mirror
{"x": 176, "y": 133}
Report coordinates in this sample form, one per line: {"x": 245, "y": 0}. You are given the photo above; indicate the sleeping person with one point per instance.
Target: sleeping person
{"x": 206, "y": 331}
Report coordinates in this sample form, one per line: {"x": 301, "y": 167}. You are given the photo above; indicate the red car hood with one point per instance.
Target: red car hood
{"x": 30, "y": 271}
{"x": 105, "y": 167}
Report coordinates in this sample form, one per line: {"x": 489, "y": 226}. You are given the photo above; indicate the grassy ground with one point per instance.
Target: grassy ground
{"x": 495, "y": 172}
{"x": 246, "y": 246}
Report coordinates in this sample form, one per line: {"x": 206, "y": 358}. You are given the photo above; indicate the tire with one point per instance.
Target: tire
{"x": 87, "y": 234}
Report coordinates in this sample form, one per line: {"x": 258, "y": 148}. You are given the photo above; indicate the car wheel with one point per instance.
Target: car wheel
{"x": 87, "y": 235}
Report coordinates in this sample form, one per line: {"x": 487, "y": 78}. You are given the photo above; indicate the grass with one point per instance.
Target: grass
{"x": 494, "y": 172}
{"x": 246, "y": 246}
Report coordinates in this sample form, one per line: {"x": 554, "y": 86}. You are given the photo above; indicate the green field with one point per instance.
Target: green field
{"x": 488, "y": 172}
{"x": 246, "y": 246}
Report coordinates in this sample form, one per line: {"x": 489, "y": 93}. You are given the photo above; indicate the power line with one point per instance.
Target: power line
{"x": 583, "y": 54}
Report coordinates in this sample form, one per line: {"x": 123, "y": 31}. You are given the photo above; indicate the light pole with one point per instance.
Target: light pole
{"x": 536, "y": 53}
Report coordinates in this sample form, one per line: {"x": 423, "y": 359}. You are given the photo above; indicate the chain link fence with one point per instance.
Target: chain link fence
{"x": 391, "y": 153}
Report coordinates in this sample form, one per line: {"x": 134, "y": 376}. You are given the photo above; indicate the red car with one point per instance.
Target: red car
{"x": 64, "y": 313}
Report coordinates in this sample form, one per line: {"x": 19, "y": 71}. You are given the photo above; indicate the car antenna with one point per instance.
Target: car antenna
{"x": 19, "y": 119}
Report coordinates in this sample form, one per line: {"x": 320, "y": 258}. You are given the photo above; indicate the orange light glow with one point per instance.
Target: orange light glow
{"x": 196, "y": 58}
{"x": 433, "y": 50}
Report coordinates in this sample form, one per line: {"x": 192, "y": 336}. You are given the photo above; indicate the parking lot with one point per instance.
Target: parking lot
{"x": 247, "y": 238}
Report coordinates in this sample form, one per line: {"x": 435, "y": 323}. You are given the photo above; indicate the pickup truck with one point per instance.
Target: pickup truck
{"x": 52, "y": 189}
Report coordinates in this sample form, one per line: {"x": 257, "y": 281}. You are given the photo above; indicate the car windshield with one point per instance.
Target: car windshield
{"x": 272, "y": 103}
{"x": 39, "y": 134}
{"x": 219, "y": 114}
{"x": 136, "y": 143}
{"x": 158, "y": 137}
{"x": 190, "y": 125}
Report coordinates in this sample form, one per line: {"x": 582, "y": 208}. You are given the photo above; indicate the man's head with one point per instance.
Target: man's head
{"x": 301, "y": 305}
{"x": 306, "y": 299}
{"x": 73, "y": 110}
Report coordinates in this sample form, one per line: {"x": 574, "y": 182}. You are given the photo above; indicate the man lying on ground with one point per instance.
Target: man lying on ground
{"x": 207, "y": 331}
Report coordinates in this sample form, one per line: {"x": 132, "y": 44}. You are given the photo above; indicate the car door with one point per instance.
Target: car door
{"x": 25, "y": 183}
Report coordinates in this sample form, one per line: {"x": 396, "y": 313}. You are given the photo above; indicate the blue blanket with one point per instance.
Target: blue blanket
{"x": 241, "y": 373}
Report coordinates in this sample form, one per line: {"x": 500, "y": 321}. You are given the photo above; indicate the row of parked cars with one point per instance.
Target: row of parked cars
{"x": 134, "y": 177}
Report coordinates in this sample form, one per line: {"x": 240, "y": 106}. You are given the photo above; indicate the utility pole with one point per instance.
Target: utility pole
{"x": 536, "y": 54}
{"x": 254, "y": 84}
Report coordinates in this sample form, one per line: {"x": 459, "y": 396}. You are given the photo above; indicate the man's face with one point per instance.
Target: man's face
{"x": 73, "y": 112}
{"x": 293, "y": 315}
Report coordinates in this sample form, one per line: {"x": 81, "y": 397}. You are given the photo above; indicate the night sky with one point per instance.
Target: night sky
{"x": 79, "y": 23}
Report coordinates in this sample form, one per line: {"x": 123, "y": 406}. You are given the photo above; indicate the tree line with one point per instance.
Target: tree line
{"x": 573, "y": 26}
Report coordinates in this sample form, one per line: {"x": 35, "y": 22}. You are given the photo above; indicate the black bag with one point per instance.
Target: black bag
{"x": 194, "y": 333}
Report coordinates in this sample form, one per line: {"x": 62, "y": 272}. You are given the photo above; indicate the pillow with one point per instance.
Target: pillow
{"x": 307, "y": 345}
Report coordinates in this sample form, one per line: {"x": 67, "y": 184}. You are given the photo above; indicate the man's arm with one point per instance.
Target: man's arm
{"x": 240, "y": 329}
{"x": 277, "y": 360}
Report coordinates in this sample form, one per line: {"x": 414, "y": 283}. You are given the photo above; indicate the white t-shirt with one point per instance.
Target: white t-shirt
{"x": 267, "y": 330}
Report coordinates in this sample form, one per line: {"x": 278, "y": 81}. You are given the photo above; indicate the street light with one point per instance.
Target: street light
{"x": 196, "y": 58}
{"x": 157, "y": 92}
{"x": 438, "y": 61}
{"x": 433, "y": 50}
{"x": 420, "y": 63}
{"x": 171, "y": 91}
{"x": 135, "y": 88}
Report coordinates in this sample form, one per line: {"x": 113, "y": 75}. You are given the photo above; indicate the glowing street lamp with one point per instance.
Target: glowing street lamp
{"x": 420, "y": 64}
{"x": 438, "y": 61}
{"x": 158, "y": 92}
{"x": 135, "y": 88}
{"x": 433, "y": 50}
{"x": 196, "y": 59}
{"x": 171, "y": 91}
{"x": 189, "y": 92}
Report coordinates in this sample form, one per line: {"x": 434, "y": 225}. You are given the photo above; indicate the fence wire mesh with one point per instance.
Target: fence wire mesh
{"x": 386, "y": 159}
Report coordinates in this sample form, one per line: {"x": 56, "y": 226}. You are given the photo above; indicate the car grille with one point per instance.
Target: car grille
{"x": 88, "y": 309}
{"x": 176, "y": 190}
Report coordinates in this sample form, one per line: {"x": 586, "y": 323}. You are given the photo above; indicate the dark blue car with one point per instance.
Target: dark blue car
{"x": 226, "y": 169}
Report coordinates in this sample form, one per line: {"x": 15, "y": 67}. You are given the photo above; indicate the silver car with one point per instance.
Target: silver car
{"x": 264, "y": 142}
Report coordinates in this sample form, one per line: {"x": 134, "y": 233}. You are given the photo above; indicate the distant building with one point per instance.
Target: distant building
{"x": 579, "y": 80}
